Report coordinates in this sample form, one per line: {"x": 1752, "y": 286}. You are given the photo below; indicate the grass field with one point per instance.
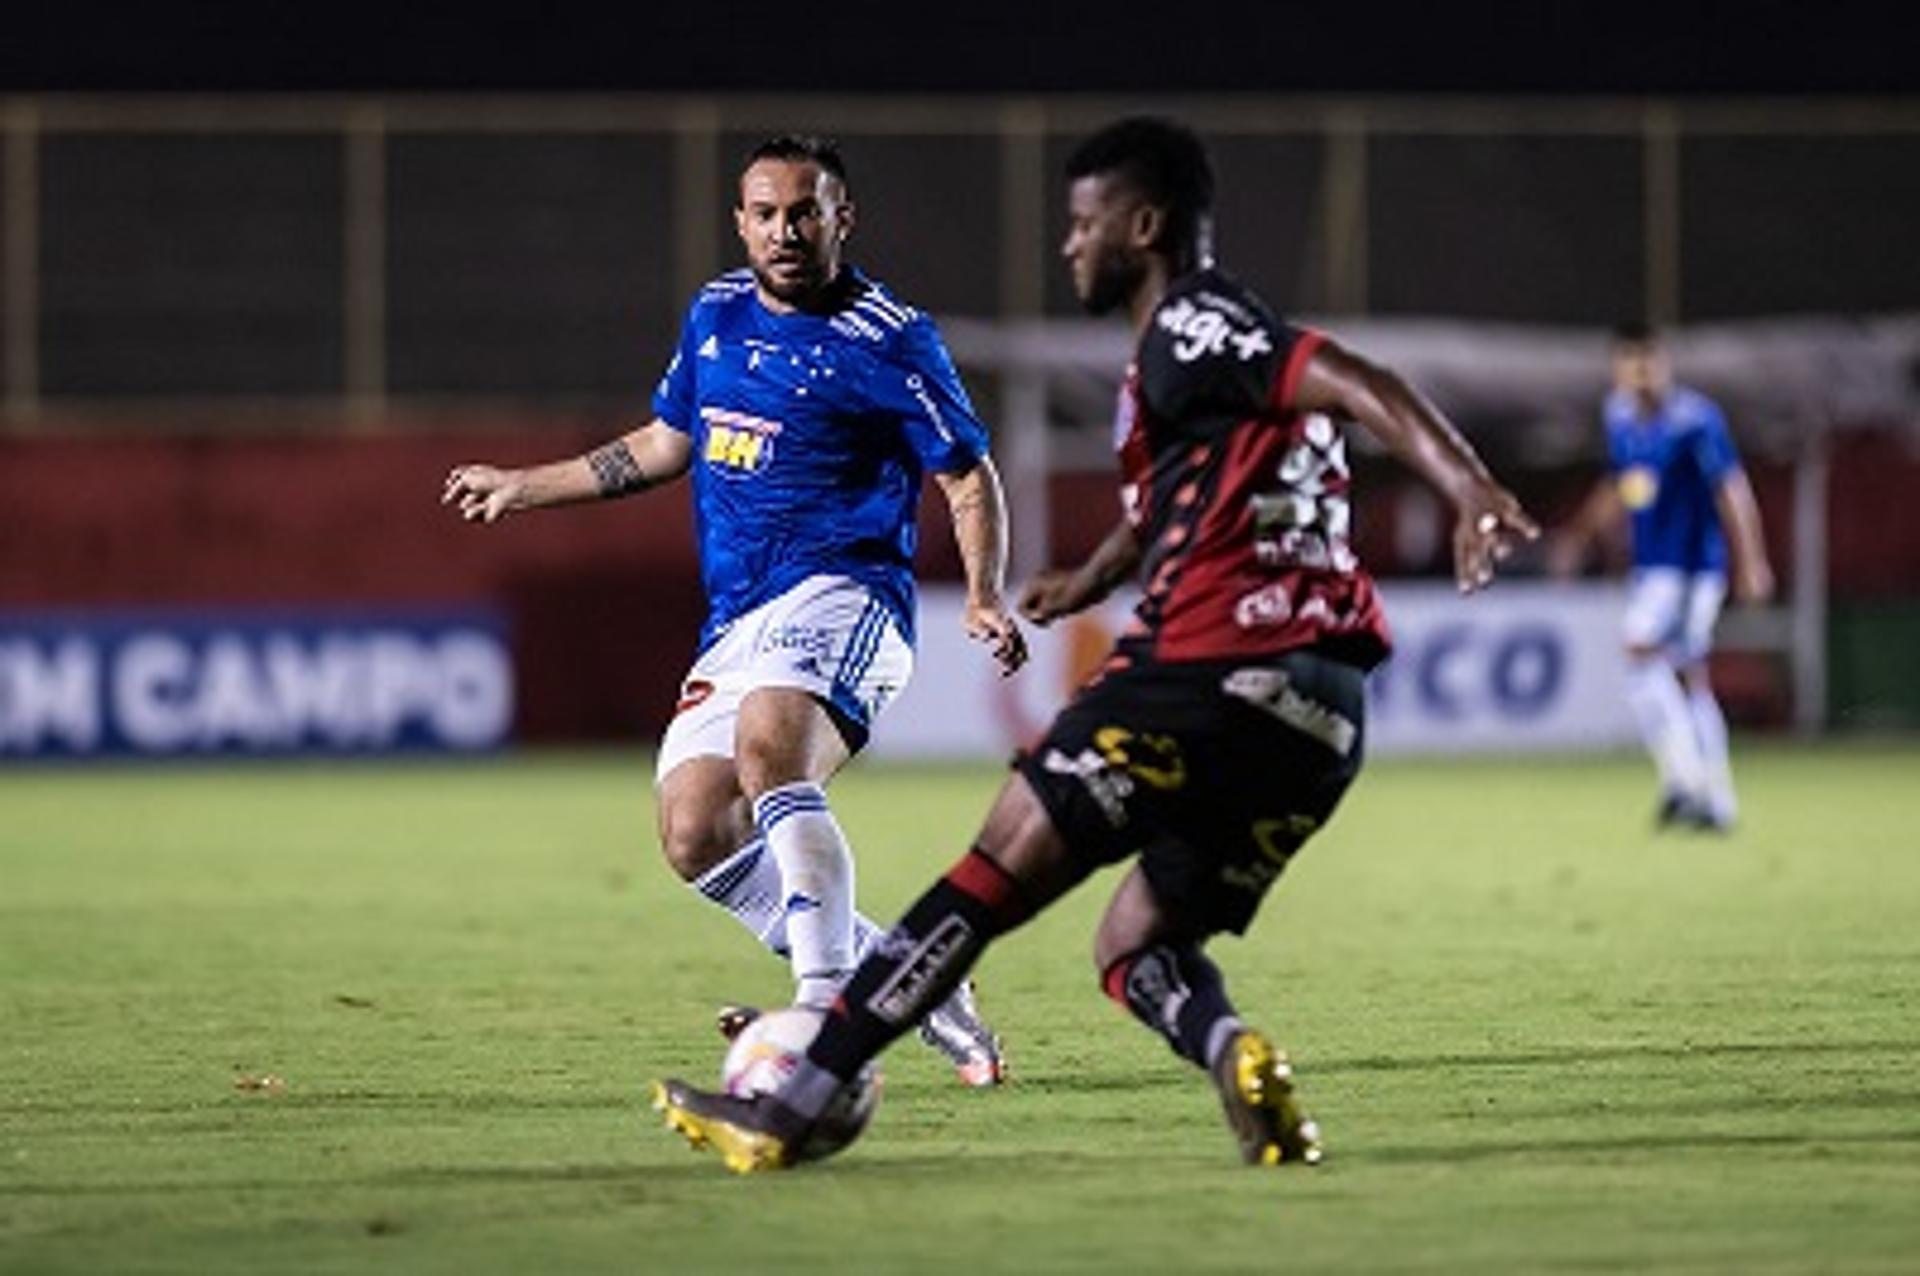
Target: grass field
{"x": 1537, "y": 1036}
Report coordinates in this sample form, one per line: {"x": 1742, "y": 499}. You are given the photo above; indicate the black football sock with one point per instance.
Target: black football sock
{"x": 1176, "y": 991}
{"x": 909, "y": 970}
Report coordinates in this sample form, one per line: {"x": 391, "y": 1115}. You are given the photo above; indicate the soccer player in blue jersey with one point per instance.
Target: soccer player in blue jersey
{"x": 806, "y": 402}
{"x": 1673, "y": 471}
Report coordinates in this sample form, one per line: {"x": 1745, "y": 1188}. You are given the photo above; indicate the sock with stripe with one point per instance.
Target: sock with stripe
{"x": 747, "y": 885}
{"x": 1177, "y": 991}
{"x": 816, "y": 882}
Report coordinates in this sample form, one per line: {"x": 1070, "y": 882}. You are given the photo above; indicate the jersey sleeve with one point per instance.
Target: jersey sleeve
{"x": 923, "y": 387}
{"x": 1712, "y": 446}
{"x": 674, "y": 399}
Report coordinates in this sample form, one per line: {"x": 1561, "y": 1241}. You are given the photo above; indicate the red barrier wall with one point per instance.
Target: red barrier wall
{"x": 604, "y": 599}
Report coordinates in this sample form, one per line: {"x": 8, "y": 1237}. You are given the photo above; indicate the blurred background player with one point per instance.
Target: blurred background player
{"x": 1229, "y": 719}
{"x": 1673, "y": 469}
{"x": 806, "y": 401}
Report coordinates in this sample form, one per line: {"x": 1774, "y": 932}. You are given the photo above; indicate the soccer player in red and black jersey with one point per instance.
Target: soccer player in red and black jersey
{"x": 1229, "y": 719}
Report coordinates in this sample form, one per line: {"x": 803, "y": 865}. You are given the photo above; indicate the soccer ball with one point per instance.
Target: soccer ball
{"x": 766, "y": 1053}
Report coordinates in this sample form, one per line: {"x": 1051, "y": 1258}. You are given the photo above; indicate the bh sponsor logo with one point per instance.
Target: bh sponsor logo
{"x": 737, "y": 444}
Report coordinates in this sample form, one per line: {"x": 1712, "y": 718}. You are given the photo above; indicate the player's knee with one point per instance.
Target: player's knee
{"x": 691, "y": 839}
{"x": 769, "y": 759}
{"x": 762, "y": 764}
{"x": 1641, "y": 653}
{"x": 785, "y": 736}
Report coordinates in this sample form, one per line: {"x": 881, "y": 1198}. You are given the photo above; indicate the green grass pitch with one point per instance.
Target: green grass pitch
{"x": 1538, "y": 1037}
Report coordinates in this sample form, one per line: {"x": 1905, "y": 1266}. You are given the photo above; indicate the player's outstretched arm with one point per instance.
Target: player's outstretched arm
{"x": 1056, "y": 593}
{"x": 655, "y": 453}
{"x": 1740, "y": 517}
{"x": 979, "y": 511}
{"x": 1488, "y": 518}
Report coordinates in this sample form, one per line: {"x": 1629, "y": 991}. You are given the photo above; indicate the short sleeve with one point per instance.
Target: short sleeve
{"x": 1713, "y": 449}
{"x": 921, "y": 384}
{"x": 1207, "y": 362}
{"x": 674, "y": 398}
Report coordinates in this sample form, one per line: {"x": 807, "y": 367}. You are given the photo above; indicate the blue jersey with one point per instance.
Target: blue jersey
{"x": 811, "y": 434}
{"x": 1668, "y": 468}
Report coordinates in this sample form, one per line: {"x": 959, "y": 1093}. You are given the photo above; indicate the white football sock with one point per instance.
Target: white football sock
{"x": 747, "y": 885}
{"x": 1667, "y": 728}
{"x": 816, "y": 873}
{"x": 1710, "y": 731}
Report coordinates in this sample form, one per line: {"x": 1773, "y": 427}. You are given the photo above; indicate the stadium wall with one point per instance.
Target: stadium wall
{"x": 601, "y": 604}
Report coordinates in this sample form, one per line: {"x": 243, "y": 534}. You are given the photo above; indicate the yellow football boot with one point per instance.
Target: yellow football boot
{"x": 723, "y": 1123}
{"x": 1255, "y": 1081}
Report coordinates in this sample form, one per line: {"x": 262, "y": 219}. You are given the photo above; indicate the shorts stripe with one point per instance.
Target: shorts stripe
{"x": 851, "y": 652}
{"x": 862, "y": 643}
{"x": 874, "y": 639}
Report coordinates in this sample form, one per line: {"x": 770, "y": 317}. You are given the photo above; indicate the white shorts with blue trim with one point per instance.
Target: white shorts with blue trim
{"x": 1674, "y": 610}
{"x": 828, "y": 636}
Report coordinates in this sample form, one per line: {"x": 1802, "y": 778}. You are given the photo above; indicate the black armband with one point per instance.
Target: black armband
{"x": 615, "y": 470}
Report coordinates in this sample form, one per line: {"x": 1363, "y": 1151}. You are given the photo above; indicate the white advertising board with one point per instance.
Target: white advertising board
{"x": 1520, "y": 667}
{"x": 253, "y": 681}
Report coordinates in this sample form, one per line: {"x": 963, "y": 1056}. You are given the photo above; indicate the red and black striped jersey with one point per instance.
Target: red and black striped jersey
{"x": 1239, "y": 498}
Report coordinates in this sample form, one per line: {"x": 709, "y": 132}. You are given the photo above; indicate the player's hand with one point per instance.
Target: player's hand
{"x": 1049, "y": 596}
{"x": 1491, "y": 523}
{"x": 483, "y": 493}
{"x": 988, "y": 622}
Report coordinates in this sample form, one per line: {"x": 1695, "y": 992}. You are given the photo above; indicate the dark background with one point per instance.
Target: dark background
{"x": 856, "y": 46}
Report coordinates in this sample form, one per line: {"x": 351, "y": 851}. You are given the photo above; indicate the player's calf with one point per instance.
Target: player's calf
{"x": 1177, "y": 992}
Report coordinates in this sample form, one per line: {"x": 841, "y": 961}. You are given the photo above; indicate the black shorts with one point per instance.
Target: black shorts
{"x": 1214, "y": 772}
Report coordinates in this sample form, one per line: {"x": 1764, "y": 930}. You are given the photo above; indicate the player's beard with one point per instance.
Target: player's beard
{"x": 1116, "y": 277}
{"x": 797, "y": 288}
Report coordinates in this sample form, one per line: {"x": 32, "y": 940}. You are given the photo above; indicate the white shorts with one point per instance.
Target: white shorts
{"x": 1674, "y": 610}
{"x": 828, "y": 636}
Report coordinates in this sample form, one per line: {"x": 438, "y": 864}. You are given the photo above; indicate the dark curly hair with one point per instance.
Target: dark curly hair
{"x": 1165, "y": 162}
